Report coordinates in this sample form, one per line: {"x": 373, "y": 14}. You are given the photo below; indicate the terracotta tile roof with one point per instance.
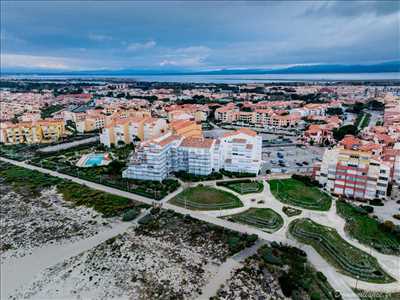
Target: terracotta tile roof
{"x": 194, "y": 142}
{"x": 240, "y": 141}
{"x": 247, "y": 131}
{"x": 178, "y": 124}
{"x": 350, "y": 141}
{"x": 168, "y": 140}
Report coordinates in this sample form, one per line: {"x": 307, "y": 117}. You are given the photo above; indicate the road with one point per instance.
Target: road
{"x": 68, "y": 145}
{"x": 337, "y": 280}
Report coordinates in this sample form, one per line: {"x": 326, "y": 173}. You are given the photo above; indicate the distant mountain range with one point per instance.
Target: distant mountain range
{"x": 392, "y": 66}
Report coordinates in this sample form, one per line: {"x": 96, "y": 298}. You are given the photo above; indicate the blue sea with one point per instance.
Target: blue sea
{"x": 248, "y": 78}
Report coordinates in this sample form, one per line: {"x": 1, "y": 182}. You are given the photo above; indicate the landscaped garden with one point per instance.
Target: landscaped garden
{"x": 296, "y": 276}
{"x": 244, "y": 186}
{"x": 369, "y": 231}
{"x": 291, "y": 211}
{"x": 110, "y": 175}
{"x": 236, "y": 174}
{"x": 371, "y": 295}
{"x": 294, "y": 192}
{"x": 263, "y": 218}
{"x": 345, "y": 257}
{"x": 32, "y": 183}
{"x": 185, "y": 176}
{"x": 206, "y": 198}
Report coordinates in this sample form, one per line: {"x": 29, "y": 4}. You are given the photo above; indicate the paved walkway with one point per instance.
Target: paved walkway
{"x": 337, "y": 280}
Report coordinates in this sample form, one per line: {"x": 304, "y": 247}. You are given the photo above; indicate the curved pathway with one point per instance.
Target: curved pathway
{"x": 391, "y": 264}
{"x": 337, "y": 280}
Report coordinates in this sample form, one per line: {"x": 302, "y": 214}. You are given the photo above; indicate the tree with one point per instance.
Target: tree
{"x": 376, "y": 105}
{"x": 339, "y": 133}
{"x": 115, "y": 167}
{"x": 334, "y": 111}
{"x": 387, "y": 226}
{"x": 357, "y": 107}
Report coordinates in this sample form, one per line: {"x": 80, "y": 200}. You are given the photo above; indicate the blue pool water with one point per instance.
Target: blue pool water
{"x": 94, "y": 160}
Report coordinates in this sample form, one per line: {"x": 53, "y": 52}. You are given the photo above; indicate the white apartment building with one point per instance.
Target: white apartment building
{"x": 396, "y": 170}
{"x": 353, "y": 174}
{"x": 239, "y": 151}
{"x": 154, "y": 160}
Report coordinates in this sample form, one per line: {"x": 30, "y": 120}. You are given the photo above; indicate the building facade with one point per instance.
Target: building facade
{"x": 239, "y": 151}
{"x": 353, "y": 174}
{"x": 36, "y": 132}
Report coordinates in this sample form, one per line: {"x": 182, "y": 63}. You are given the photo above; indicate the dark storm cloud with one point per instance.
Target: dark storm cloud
{"x": 355, "y": 8}
{"x": 208, "y": 34}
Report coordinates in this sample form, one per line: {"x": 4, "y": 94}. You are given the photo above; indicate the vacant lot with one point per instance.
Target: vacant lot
{"x": 295, "y": 192}
{"x": 29, "y": 222}
{"x": 367, "y": 230}
{"x": 170, "y": 257}
{"x": 263, "y": 218}
{"x": 345, "y": 257}
{"x": 206, "y": 198}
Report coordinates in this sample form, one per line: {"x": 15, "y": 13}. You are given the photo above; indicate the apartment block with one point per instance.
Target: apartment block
{"x": 353, "y": 173}
{"x": 186, "y": 128}
{"x": 126, "y": 130}
{"x": 35, "y": 132}
{"x": 239, "y": 151}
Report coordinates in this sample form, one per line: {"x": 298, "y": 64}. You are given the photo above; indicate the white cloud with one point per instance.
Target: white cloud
{"x": 141, "y": 46}
{"x": 39, "y": 62}
{"x": 99, "y": 37}
{"x": 183, "y": 62}
{"x": 192, "y": 56}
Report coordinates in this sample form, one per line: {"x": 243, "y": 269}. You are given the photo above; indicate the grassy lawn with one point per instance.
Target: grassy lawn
{"x": 31, "y": 183}
{"x": 368, "y": 230}
{"x": 362, "y": 120}
{"x": 243, "y": 186}
{"x": 263, "y": 218}
{"x": 346, "y": 258}
{"x": 206, "y": 198}
{"x": 294, "y": 192}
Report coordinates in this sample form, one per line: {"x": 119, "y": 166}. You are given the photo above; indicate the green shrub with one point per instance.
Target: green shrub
{"x": 315, "y": 296}
{"x": 147, "y": 219}
{"x": 321, "y": 276}
{"x": 376, "y": 202}
{"x": 367, "y": 208}
{"x": 130, "y": 215}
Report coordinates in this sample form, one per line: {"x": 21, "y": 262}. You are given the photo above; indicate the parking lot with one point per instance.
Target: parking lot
{"x": 290, "y": 159}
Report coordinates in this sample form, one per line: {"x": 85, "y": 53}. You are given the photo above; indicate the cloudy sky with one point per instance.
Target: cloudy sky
{"x": 83, "y": 35}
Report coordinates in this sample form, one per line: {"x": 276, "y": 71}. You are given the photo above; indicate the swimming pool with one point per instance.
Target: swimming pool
{"x": 94, "y": 160}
